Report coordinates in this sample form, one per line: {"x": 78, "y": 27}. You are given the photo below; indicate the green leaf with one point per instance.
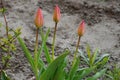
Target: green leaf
{"x": 26, "y": 52}
{"x": 102, "y": 60}
{"x": 4, "y": 48}
{"x": 3, "y": 10}
{"x": 109, "y": 76}
{"x": 60, "y": 74}
{"x": 102, "y": 57}
{"x": 5, "y": 58}
{"x": 97, "y": 75}
{"x": 4, "y": 76}
{"x": 50, "y": 72}
{"x": 73, "y": 69}
{"x": 41, "y": 64}
{"x": 88, "y": 52}
{"x": 82, "y": 73}
{"x": 94, "y": 56}
{"x": 44, "y": 46}
{"x": 84, "y": 57}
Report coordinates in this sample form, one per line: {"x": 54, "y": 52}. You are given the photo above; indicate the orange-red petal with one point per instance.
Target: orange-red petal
{"x": 56, "y": 14}
{"x": 81, "y": 28}
{"x": 39, "y": 18}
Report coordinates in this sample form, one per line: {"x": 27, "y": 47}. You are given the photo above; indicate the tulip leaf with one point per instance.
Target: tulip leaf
{"x": 60, "y": 74}
{"x": 73, "y": 69}
{"x": 26, "y": 52}
{"x": 51, "y": 70}
{"x": 82, "y": 73}
{"x": 44, "y": 46}
{"x": 97, "y": 75}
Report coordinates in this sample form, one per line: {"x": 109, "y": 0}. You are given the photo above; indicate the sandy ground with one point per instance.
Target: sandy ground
{"x": 102, "y": 27}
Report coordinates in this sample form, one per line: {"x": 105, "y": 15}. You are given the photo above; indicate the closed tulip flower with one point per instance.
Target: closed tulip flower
{"x": 56, "y": 18}
{"x": 56, "y": 14}
{"x": 81, "y": 28}
{"x": 39, "y": 18}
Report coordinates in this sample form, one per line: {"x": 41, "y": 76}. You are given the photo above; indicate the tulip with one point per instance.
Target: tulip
{"x": 39, "y": 18}
{"x": 81, "y": 28}
{"x": 56, "y": 18}
{"x": 56, "y": 14}
{"x": 39, "y": 23}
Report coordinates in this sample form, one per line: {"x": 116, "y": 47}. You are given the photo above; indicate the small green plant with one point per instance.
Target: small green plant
{"x": 6, "y": 45}
{"x": 114, "y": 73}
{"x": 94, "y": 59}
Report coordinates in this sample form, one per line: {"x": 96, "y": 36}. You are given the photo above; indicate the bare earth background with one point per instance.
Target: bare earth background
{"x": 102, "y": 19}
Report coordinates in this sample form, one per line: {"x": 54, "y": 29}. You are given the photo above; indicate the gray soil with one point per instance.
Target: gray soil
{"x": 102, "y": 19}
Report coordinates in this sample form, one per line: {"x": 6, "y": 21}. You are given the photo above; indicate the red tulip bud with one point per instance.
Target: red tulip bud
{"x": 39, "y": 18}
{"x": 81, "y": 28}
{"x": 56, "y": 14}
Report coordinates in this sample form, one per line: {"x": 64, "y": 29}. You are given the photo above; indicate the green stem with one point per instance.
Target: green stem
{"x": 6, "y": 24}
{"x": 36, "y": 43}
{"x": 53, "y": 43}
{"x": 35, "y": 55}
{"x": 75, "y": 54}
{"x": 5, "y": 18}
{"x": 7, "y": 34}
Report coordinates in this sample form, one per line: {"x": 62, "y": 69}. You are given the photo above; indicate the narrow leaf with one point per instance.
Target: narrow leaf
{"x": 60, "y": 74}
{"x": 73, "y": 69}
{"x": 102, "y": 57}
{"x": 94, "y": 56}
{"x": 52, "y": 68}
{"x": 4, "y": 76}
{"x": 97, "y": 75}
{"x": 83, "y": 56}
{"x": 26, "y": 52}
{"x": 82, "y": 73}
{"x": 44, "y": 46}
{"x": 88, "y": 52}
